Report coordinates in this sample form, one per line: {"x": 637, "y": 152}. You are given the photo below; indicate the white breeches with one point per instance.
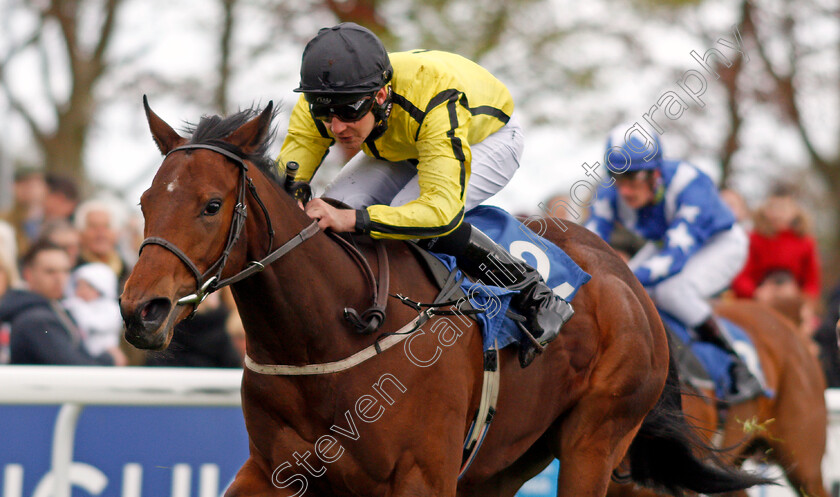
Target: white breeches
{"x": 706, "y": 273}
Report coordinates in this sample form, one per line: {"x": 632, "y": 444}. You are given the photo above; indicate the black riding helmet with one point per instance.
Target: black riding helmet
{"x": 343, "y": 62}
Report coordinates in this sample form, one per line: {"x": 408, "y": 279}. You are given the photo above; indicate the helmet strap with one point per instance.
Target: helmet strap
{"x": 381, "y": 113}
{"x": 657, "y": 185}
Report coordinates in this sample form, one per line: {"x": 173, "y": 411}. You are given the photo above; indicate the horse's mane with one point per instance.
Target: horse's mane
{"x": 212, "y": 130}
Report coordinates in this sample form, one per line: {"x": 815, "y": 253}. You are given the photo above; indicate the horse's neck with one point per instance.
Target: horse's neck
{"x": 292, "y": 310}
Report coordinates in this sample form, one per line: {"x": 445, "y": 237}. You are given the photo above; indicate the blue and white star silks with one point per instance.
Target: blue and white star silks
{"x": 658, "y": 266}
{"x": 681, "y": 221}
{"x": 680, "y": 237}
{"x": 688, "y": 212}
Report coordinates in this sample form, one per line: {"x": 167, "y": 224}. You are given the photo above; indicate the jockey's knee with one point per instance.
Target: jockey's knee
{"x": 679, "y": 298}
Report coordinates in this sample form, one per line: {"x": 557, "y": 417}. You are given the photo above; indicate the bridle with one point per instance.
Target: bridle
{"x": 211, "y": 280}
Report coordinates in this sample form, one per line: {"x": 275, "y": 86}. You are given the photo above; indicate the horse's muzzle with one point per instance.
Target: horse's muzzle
{"x": 143, "y": 323}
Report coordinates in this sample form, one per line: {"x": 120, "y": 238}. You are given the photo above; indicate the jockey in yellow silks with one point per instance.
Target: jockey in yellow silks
{"x": 438, "y": 137}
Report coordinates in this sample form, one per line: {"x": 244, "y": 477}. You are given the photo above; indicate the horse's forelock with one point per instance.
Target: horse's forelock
{"x": 212, "y": 130}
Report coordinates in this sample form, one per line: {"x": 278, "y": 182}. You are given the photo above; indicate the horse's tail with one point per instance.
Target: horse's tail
{"x": 668, "y": 453}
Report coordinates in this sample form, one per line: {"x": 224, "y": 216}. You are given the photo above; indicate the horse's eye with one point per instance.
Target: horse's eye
{"x": 212, "y": 207}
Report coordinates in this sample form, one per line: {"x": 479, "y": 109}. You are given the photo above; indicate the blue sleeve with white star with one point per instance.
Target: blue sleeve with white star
{"x": 699, "y": 214}
{"x": 602, "y": 213}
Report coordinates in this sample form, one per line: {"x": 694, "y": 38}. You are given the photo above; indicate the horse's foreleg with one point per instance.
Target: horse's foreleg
{"x": 588, "y": 461}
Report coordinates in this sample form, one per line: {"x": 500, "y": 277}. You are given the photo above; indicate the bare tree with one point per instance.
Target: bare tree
{"x": 225, "y": 49}
{"x": 804, "y": 89}
{"x": 81, "y": 62}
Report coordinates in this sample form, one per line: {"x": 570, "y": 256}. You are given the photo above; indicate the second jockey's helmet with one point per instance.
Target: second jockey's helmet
{"x": 343, "y": 62}
{"x": 631, "y": 148}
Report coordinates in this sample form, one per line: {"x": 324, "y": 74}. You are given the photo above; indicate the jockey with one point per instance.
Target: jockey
{"x": 438, "y": 138}
{"x": 694, "y": 247}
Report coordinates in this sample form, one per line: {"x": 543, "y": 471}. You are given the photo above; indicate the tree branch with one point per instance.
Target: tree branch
{"x": 105, "y": 34}
{"x": 18, "y": 106}
{"x": 786, "y": 91}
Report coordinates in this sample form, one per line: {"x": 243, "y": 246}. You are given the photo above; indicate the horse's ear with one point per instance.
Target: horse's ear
{"x": 165, "y": 137}
{"x": 254, "y": 133}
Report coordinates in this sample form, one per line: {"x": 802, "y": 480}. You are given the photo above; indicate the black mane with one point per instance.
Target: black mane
{"x": 212, "y": 130}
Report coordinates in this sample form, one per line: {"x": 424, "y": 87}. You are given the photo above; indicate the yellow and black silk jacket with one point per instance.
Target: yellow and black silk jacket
{"x": 442, "y": 103}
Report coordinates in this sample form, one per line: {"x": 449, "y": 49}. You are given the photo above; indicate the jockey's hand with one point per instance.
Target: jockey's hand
{"x": 339, "y": 220}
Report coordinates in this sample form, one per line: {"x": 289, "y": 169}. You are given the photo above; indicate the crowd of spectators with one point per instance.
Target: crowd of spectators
{"x": 63, "y": 262}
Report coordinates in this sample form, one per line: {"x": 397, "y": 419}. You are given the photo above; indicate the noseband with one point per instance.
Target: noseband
{"x": 211, "y": 280}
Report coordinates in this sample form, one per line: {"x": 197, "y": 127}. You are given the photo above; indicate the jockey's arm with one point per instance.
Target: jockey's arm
{"x": 307, "y": 142}
{"x": 687, "y": 232}
{"x": 602, "y": 213}
{"x": 443, "y": 171}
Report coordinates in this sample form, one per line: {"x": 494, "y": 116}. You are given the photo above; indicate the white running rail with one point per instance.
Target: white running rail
{"x": 75, "y": 387}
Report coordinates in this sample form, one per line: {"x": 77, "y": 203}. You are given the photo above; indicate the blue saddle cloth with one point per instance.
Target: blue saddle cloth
{"x": 559, "y": 271}
{"x": 715, "y": 360}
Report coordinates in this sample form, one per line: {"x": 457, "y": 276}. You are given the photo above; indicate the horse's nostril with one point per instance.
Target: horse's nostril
{"x": 154, "y": 312}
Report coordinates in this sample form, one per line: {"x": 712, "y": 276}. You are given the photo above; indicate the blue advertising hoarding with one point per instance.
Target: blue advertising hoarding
{"x": 141, "y": 452}
{"x": 125, "y": 451}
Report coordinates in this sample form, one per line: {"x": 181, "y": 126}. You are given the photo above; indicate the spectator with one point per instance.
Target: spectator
{"x": 8, "y": 279}
{"x": 27, "y": 211}
{"x": 9, "y": 276}
{"x": 99, "y": 223}
{"x": 65, "y": 235}
{"x": 131, "y": 237}
{"x": 61, "y": 199}
{"x": 41, "y": 330}
{"x": 201, "y": 342}
{"x": 8, "y": 242}
{"x": 94, "y": 306}
{"x": 782, "y": 258}
{"x": 236, "y": 330}
{"x": 738, "y": 205}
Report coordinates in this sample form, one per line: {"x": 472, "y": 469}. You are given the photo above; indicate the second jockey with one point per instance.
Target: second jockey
{"x": 438, "y": 138}
{"x": 695, "y": 248}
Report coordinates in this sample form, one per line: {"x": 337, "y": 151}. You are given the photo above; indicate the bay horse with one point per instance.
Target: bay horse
{"x": 395, "y": 424}
{"x": 788, "y": 429}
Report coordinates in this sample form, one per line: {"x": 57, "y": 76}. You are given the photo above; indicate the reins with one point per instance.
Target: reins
{"x": 210, "y": 281}
{"x": 368, "y": 321}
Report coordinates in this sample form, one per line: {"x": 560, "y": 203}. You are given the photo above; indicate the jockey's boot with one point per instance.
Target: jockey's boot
{"x": 745, "y": 385}
{"x": 544, "y": 312}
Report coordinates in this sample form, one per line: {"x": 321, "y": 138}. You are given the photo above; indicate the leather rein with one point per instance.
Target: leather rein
{"x": 211, "y": 280}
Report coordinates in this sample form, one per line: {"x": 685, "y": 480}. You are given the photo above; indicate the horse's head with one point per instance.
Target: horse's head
{"x": 194, "y": 215}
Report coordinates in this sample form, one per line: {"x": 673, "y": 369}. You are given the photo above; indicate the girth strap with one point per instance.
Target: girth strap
{"x": 486, "y": 408}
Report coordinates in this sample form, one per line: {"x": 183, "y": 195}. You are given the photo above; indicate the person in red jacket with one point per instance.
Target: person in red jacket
{"x": 783, "y": 262}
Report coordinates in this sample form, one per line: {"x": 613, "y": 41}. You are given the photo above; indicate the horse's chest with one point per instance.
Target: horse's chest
{"x": 337, "y": 441}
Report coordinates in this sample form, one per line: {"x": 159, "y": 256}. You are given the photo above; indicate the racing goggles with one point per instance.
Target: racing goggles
{"x": 347, "y": 111}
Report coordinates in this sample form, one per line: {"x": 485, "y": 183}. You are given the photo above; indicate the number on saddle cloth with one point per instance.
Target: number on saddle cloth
{"x": 559, "y": 271}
